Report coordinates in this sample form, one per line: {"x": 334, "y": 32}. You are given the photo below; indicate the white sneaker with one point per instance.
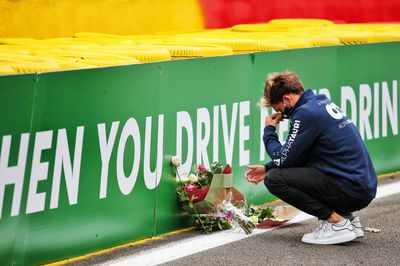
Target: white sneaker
{"x": 357, "y": 226}
{"x": 328, "y": 233}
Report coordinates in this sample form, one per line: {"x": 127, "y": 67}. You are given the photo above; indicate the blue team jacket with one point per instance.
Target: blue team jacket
{"x": 321, "y": 136}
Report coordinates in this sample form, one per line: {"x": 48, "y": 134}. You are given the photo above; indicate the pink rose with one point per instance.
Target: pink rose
{"x": 189, "y": 187}
{"x": 202, "y": 168}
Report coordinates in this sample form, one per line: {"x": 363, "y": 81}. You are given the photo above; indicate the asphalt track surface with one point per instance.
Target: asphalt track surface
{"x": 282, "y": 246}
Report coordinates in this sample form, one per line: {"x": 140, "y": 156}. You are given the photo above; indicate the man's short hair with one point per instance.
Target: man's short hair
{"x": 279, "y": 84}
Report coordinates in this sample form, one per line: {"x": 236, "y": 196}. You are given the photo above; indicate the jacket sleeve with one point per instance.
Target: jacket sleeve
{"x": 269, "y": 166}
{"x": 302, "y": 134}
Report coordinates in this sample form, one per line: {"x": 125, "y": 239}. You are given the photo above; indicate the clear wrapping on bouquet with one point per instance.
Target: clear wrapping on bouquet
{"x": 221, "y": 186}
{"x": 235, "y": 215}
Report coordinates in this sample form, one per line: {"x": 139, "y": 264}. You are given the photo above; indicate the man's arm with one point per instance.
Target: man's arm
{"x": 269, "y": 166}
{"x": 302, "y": 133}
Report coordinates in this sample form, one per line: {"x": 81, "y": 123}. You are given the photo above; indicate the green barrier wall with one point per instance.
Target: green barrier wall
{"x": 84, "y": 161}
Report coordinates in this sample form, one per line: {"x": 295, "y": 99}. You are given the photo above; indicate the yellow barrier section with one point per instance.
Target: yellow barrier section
{"x": 59, "y": 18}
{"x": 90, "y": 49}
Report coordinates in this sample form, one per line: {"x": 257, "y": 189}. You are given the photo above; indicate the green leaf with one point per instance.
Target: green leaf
{"x": 219, "y": 225}
{"x": 207, "y": 223}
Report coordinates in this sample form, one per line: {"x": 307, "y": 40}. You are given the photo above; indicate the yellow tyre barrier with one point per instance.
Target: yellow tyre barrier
{"x": 99, "y": 62}
{"x": 91, "y": 49}
{"x": 29, "y": 67}
{"x": 301, "y": 22}
{"x": 6, "y": 69}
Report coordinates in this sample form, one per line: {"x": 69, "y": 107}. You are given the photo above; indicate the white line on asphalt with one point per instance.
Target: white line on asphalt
{"x": 388, "y": 189}
{"x": 197, "y": 244}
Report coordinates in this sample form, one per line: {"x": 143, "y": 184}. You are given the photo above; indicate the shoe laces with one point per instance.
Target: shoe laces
{"x": 321, "y": 229}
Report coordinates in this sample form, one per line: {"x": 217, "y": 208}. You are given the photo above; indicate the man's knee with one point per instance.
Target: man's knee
{"x": 272, "y": 179}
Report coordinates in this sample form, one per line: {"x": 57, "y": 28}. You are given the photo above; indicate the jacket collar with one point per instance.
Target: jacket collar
{"x": 302, "y": 100}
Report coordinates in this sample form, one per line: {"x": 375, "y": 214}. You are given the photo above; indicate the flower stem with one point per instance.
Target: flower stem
{"x": 198, "y": 217}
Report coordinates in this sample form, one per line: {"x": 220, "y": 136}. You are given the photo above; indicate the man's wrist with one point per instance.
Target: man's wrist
{"x": 270, "y": 127}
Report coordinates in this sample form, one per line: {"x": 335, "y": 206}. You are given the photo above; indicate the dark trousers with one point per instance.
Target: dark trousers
{"x": 311, "y": 191}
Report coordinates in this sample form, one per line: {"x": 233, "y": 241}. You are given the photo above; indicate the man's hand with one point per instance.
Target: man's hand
{"x": 273, "y": 120}
{"x": 256, "y": 174}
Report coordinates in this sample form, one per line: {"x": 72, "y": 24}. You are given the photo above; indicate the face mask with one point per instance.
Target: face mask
{"x": 285, "y": 113}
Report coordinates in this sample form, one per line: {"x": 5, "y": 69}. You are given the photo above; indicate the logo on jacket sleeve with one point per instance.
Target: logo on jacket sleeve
{"x": 290, "y": 141}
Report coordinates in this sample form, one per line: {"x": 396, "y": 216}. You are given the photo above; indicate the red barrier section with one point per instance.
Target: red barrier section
{"x": 226, "y": 13}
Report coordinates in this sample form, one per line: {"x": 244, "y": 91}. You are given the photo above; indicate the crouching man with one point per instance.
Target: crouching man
{"x": 323, "y": 168}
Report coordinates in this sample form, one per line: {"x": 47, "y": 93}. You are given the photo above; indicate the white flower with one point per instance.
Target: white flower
{"x": 184, "y": 178}
{"x": 175, "y": 161}
{"x": 193, "y": 178}
{"x": 254, "y": 219}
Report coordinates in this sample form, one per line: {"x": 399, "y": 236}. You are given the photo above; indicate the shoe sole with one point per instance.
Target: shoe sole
{"x": 332, "y": 241}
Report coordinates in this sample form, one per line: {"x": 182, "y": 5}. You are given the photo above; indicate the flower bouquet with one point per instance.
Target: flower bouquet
{"x": 235, "y": 215}
{"x": 201, "y": 192}
{"x": 209, "y": 195}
